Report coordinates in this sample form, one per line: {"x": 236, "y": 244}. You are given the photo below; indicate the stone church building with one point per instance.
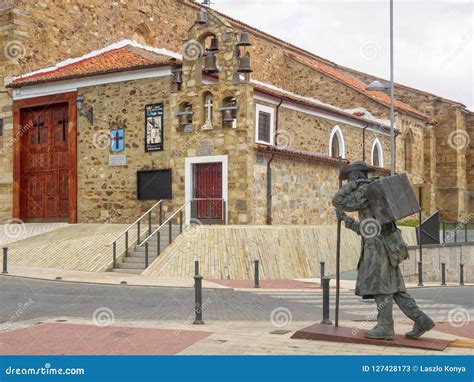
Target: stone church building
{"x": 108, "y": 107}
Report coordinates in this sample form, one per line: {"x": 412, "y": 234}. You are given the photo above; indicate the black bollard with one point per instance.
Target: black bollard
{"x": 146, "y": 255}
{"x": 5, "y": 260}
{"x": 321, "y": 275}
{"x": 325, "y": 284}
{"x": 443, "y": 274}
{"x": 420, "y": 273}
{"x": 461, "y": 274}
{"x": 198, "y": 300}
{"x": 257, "y": 278}
{"x": 196, "y": 268}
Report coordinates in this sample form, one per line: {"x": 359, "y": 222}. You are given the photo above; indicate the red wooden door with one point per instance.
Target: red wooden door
{"x": 44, "y": 164}
{"x": 208, "y": 191}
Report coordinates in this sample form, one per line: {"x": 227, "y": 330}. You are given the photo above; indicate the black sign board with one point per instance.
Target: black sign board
{"x": 429, "y": 230}
{"x": 154, "y": 184}
{"x": 154, "y": 127}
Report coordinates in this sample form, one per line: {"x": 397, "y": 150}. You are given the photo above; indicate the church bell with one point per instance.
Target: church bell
{"x": 214, "y": 45}
{"x": 244, "y": 39}
{"x": 244, "y": 64}
{"x": 201, "y": 17}
{"x": 177, "y": 77}
{"x": 227, "y": 116}
{"x": 210, "y": 64}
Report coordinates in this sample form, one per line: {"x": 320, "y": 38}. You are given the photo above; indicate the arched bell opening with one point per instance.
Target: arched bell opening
{"x": 185, "y": 116}
{"x": 210, "y": 47}
{"x": 229, "y": 112}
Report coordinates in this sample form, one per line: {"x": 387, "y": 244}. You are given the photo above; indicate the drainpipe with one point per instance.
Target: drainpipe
{"x": 269, "y": 170}
{"x": 363, "y": 141}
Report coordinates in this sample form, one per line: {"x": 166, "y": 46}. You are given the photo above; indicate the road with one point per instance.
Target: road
{"x": 27, "y": 299}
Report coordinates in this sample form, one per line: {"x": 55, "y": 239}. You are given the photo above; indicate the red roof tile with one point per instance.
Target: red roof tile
{"x": 115, "y": 60}
{"x": 357, "y": 85}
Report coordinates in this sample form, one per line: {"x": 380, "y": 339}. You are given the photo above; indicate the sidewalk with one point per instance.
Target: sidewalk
{"x": 53, "y": 336}
{"x": 112, "y": 278}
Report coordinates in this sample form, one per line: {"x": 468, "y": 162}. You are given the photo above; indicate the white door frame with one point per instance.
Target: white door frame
{"x": 188, "y": 181}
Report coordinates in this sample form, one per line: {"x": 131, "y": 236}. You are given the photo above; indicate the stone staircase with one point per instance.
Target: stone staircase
{"x": 134, "y": 261}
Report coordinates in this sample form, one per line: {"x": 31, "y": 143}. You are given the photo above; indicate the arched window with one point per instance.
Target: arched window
{"x": 229, "y": 112}
{"x": 376, "y": 153}
{"x": 336, "y": 143}
{"x": 185, "y": 116}
{"x": 409, "y": 151}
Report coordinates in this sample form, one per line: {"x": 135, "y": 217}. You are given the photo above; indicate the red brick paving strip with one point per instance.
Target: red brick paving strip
{"x": 466, "y": 330}
{"x": 268, "y": 284}
{"x": 58, "y": 339}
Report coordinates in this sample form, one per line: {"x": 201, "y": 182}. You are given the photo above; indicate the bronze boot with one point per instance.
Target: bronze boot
{"x": 384, "y": 329}
{"x": 422, "y": 324}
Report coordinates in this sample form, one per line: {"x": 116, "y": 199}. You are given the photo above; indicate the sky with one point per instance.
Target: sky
{"x": 433, "y": 39}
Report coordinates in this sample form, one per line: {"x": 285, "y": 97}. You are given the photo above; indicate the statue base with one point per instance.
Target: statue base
{"x": 323, "y": 332}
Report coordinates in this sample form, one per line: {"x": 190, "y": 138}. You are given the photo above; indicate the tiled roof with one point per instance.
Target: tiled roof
{"x": 358, "y": 85}
{"x": 281, "y": 93}
{"x": 128, "y": 57}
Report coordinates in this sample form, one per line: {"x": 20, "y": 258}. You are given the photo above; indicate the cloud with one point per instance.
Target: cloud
{"x": 433, "y": 40}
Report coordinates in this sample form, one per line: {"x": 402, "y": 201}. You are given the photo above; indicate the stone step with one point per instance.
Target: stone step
{"x": 125, "y": 270}
{"x": 131, "y": 266}
{"x": 139, "y": 259}
{"x": 151, "y": 248}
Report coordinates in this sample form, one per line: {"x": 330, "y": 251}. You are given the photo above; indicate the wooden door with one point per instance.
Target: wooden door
{"x": 44, "y": 163}
{"x": 207, "y": 192}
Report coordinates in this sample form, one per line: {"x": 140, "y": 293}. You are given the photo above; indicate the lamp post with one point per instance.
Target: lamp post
{"x": 378, "y": 86}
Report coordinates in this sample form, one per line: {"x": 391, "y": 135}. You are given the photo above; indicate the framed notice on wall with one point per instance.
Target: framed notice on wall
{"x": 154, "y": 127}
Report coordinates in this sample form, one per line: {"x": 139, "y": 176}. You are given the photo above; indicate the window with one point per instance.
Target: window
{"x": 376, "y": 153}
{"x": 265, "y": 121}
{"x": 336, "y": 143}
{"x": 208, "y": 110}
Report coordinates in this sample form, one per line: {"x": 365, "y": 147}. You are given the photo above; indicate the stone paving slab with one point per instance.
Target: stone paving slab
{"x": 268, "y": 284}
{"x": 79, "y": 339}
{"x": 17, "y": 230}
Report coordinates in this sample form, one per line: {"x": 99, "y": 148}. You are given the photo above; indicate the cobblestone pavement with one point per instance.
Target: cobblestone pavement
{"x": 25, "y": 299}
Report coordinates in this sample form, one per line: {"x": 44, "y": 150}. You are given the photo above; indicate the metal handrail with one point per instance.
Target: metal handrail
{"x": 134, "y": 223}
{"x": 165, "y": 222}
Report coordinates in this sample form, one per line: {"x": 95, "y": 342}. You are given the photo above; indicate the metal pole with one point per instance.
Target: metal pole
{"x": 443, "y": 274}
{"x": 196, "y": 268}
{"x": 114, "y": 255}
{"x": 146, "y": 255}
{"x": 138, "y": 233}
{"x": 170, "y": 234}
{"x": 392, "y": 98}
{"x": 338, "y": 258}
{"x": 257, "y": 276}
{"x": 158, "y": 243}
{"x": 181, "y": 221}
{"x": 126, "y": 243}
{"x": 420, "y": 273}
{"x": 461, "y": 274}
{"x": 161, "y": 214}
{"x": 321, "y": 275}
{"x": 325, "y": 285}
{"x": 198, "y": 300}
{"x": 149, "y": 223}
{"x": 5, "y": 260}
